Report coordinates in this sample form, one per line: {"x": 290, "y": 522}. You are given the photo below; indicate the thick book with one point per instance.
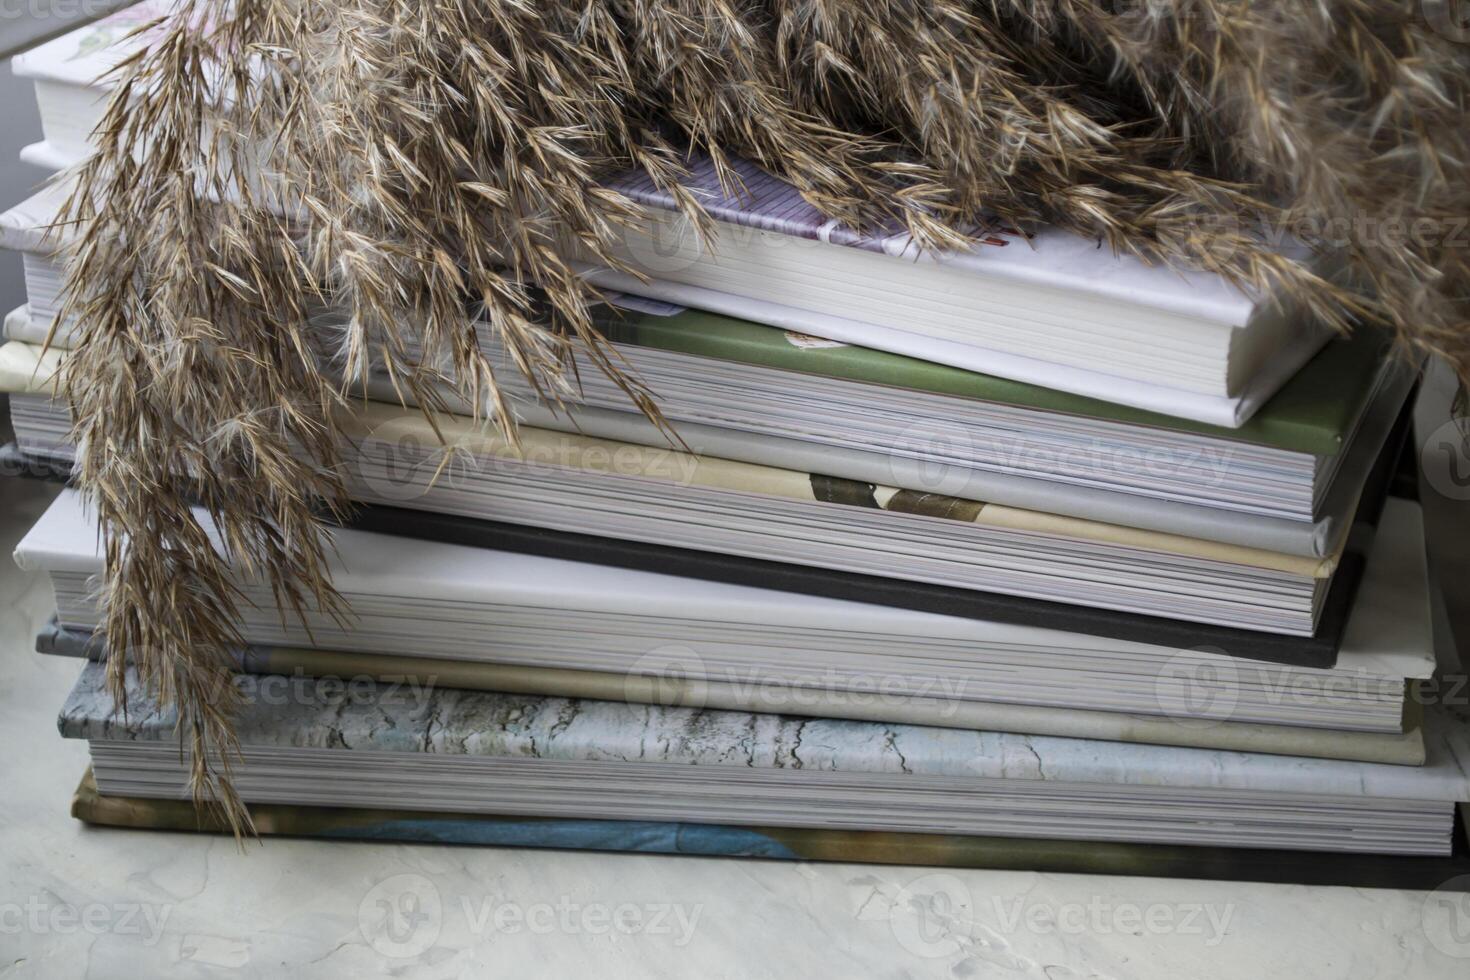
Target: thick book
{"x": 683, "y": 676}
{"x": 864, "y": 586}
{"x": 739, "y": 390}
{"x": 519, "y": 755}
{"x": 793, "y": 843}
{"x": 1313, "y": 414}
{"x": 1148, "y": 480}
{"x": 1053, "y": 309}
{"x": 1284, "y": 487}
{"x": 1319, "y": 650}
{"x": 69, "y": 73}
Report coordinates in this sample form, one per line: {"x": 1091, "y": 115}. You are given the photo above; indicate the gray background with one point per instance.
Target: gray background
{"x": 20, "y": 124}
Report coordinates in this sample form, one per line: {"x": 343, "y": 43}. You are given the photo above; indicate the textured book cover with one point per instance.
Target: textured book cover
{"x": 297, "y": 712}
{"x": 1405, "y": 748}
{"x": 1048, "y": 258}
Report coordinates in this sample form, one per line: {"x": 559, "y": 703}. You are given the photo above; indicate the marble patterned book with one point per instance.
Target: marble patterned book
{"x": 682, "y": 678}
{"x": 517, "y": 755}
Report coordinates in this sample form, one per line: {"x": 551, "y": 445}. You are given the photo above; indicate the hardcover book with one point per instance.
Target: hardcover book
{"x": 685, "y": 677}
{"x": 1288, "y": 481}
{"x": 512, "y": 755}
{"x": 69, "y": 74}
{"x": 740, "y": 390}
{"x": 1053, "y": 309}
{"x": 795, "y": 844}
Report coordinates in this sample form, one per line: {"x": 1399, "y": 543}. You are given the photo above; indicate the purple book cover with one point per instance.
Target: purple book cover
{"x": 766, "y": 203}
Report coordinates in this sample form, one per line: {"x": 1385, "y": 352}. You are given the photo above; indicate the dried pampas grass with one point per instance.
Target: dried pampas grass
{"x": 418, "y": 160}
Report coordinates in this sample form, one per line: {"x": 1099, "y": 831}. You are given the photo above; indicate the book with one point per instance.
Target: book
{"x": 40, "y": 424}
{"x": 678, "y": 500}
{"x": 515, "y": 755}
{"x": 695, "y": 640}
{"x": 793, "y": 843}
{"x": 1057, "y": 310}
{"x": 1319, "y": 652}
{"x": 69, "y": 74}
{"x": 683, "y": 678}
{"x": 1313, "y": 414}
{"x": 48, "y": 19}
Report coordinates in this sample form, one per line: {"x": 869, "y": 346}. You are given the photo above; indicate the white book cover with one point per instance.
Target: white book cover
{"x": 48, "y": 18}
{"x": 80, "y": 57}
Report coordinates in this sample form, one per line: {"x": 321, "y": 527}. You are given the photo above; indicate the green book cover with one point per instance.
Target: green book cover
{"x": 1313, "y": 413}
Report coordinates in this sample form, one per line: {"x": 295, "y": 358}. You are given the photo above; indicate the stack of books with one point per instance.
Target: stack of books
{"x": 1033, "y": 555}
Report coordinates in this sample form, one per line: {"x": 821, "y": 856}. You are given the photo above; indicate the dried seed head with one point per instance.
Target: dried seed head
{"x": 409, "y": 163}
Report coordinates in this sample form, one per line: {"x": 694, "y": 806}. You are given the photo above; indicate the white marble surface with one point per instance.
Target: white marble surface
{"x": 79, "y": 902}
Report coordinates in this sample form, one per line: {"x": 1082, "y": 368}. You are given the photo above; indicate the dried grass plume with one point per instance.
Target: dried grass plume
{"x": 416, "y": 163}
